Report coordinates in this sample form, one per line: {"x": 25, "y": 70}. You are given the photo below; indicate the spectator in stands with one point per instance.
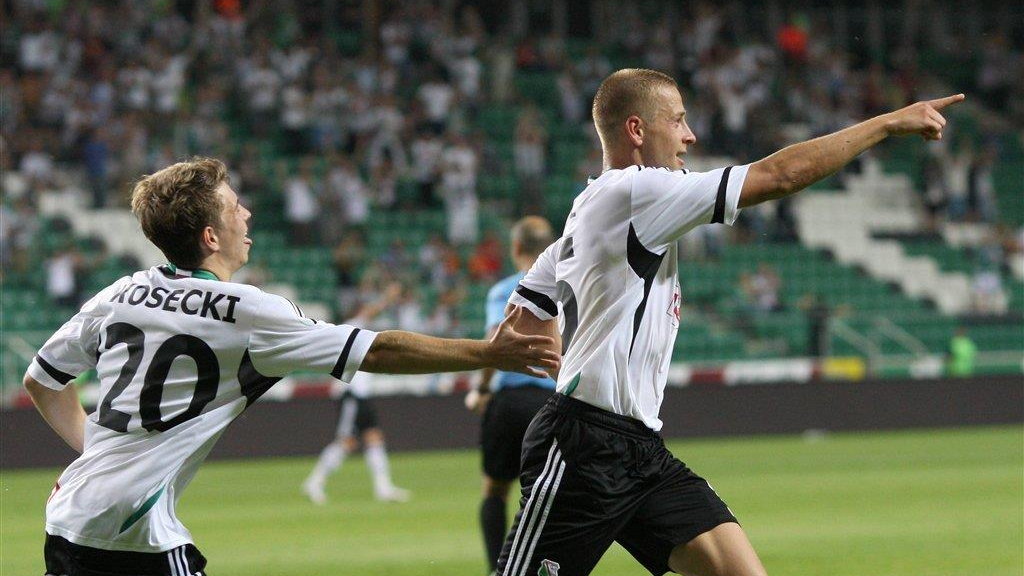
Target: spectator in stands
{"x": 571, "y": 102}
{"x": 347, "y": 192}
{"x": 409, "y": 311}
{"x": 530, "y": 151}
{"x": 37, "y": 163}
{"x": 981, "y": 194}
{"x": 349, "y": 256}
{"x": 961, "y": 355}
{"x": 956, "y": 168}
{"x": 987, "y": 295}
{"x": 486, "y": 262}
{"x": 396, "y": 259}
{"x": 385, "y": 144}
{"x": 762, "y": 289}
{"x": 934, "y": 198}
{"x": 6, "y": 238}
{"x": 63, "y": 276}
{"x": 437, "y": 97}
{"x": 427, "y": 150}
{"x": 591, "y": 70}
{"x": 458, "y": 189}
{"x": 295, "y": 111}
{"x": 96, "y": 155}
{"x": 384, "y": 184}
{"x": 444, "y": 318}
{"x": 22, "y": 229}
{"x": 819, "y": 317}
{"x": 300, "y": 200}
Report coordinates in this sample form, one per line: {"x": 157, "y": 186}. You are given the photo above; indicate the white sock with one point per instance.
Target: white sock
{"x": 377, "y": 462}
{"x": 331, "y": 458}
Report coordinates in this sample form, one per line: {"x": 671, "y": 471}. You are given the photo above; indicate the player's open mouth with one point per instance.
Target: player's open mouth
{"x": 247, "y": 240}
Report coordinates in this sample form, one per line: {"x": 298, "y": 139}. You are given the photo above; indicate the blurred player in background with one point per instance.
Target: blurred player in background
{"x": 508, "y": 406}
{"x": 357, "y": 423}
{"x": 180, "y": 352}
{"x": 595, "y": 469}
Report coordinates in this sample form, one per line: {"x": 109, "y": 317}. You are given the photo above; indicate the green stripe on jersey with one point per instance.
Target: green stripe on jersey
{"x": 572, "y": 385}
{"x": 142, "y": 510}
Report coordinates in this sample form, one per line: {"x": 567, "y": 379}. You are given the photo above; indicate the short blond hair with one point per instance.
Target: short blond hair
{"x": 627, "y": 92}
{"x": 532, "y": 234}
{"x": 177, "y": 203}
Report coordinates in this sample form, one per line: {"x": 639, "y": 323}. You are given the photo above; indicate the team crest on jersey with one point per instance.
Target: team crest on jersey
{"x": 673, "y": 309}
{"x": 548, "y": 568}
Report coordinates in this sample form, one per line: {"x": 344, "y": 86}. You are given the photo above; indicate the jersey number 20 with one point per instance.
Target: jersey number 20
{"x": 207, "y": 378}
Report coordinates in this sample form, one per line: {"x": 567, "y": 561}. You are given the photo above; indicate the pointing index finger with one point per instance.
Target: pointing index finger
{"x": 941, "y": 103}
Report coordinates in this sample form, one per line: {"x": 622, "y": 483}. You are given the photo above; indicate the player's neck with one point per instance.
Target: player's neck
{"x": 217, "y": 268}
{"x": 618, "y": 159}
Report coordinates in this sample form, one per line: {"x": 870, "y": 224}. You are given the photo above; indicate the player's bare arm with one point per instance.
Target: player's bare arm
{"x": 61, "y": 410}
{"x": 798, "y": 166}
{"x": 527, "y": 323}
{"x": 398, "y": 352}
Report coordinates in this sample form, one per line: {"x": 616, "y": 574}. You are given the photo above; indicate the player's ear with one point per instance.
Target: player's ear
{"x": 208, "y": 239}
{"x": 634, "y": 128}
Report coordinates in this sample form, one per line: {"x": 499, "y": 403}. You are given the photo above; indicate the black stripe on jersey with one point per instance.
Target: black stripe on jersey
{"x": 339, "y": 368}
{"x": 297, "y": 309}
{"x": 645, "y": 264}
{"x": 539, "y": 300}
{"x": 62, "y": 377}
{"x": 719, "y": 216}
{"x": 252, "y": 382}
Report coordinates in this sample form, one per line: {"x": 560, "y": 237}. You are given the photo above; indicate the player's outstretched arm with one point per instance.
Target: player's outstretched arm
{"x": 399, "y": 352}
{"x": 61, "y": 410}
{"x": 796, "y": 167}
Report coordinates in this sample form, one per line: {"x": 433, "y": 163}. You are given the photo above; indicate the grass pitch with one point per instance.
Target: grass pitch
{"x": 925, "y": 503}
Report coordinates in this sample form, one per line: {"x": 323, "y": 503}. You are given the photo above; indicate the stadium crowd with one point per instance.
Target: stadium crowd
{"x": 97, "y": 94}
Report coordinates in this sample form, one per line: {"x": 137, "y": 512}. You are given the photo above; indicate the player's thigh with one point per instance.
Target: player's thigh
{"x": 724, "y": 550}
{"x": 577, "y": 495}
{"x": 681, "y": 508}
{"x": 560, "y": 527}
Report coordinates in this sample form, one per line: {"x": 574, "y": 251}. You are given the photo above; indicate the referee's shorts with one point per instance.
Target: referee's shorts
{"x": 504, "y": 424}
{"x": 592, "y": 477}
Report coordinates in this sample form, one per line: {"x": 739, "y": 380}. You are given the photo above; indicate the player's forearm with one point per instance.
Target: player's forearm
{"x": 796, "y": 167}
{"x": 61, "y": 410}
{"x": 399, "y": 352}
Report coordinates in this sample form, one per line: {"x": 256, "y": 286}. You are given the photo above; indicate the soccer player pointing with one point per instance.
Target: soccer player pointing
{"x": 180, "y": 352}
{"x": 595, "y": 470}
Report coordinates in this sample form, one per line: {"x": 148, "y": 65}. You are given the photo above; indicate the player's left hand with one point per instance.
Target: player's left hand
{"x": 511, "y": 351}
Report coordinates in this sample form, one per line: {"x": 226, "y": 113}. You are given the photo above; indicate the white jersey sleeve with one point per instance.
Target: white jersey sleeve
{"x": 72, "y": 349}
{"x": 667, "y": 204}
{"x": 284, "y": 341}
{"x": 538, "y": 290}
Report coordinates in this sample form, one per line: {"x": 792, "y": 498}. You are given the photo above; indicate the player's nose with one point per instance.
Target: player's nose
{"x": 688, "y": 136}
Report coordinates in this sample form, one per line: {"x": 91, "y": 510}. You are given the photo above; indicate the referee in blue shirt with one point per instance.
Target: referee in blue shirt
{"x": 507, "y": 401}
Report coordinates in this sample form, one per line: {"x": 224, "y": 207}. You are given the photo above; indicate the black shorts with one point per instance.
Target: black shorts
{"x": 355, "y": 415}
{"x": 504, "y": 424}
{"x": 64, "y": 558}
{"x": 590, "y": 478}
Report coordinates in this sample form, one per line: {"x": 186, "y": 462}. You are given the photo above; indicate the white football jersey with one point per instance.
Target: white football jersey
{"x": 612, "y": 280}
{"x": 179, "y": 356}
{"x": 359, "y": 384}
